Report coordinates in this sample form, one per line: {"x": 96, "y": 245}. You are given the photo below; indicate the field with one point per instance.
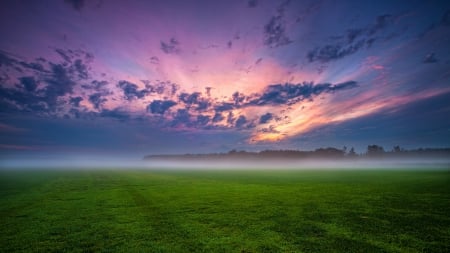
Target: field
{"x": 224, "y": 211}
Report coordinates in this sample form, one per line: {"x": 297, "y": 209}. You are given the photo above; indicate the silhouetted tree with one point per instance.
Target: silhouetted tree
{"x": 374, "y": 150}
{"x": 352, "y": 152}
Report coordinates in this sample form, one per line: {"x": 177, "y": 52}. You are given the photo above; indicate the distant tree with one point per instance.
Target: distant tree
{"x": 352, "y": 152}
{"x": 328, "y": 152}
{"x": 233, "y": 151}
{"x": 375, "y": 150}
{"x": 397, "y": 149}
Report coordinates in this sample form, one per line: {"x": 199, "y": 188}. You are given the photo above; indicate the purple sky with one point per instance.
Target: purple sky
{"x": 146, "y": 77}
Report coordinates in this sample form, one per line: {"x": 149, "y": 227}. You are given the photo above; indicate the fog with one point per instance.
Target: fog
{"x": 108, "y": 162}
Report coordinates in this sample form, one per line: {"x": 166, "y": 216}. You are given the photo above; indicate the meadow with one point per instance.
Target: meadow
{"x": 224, "y": 211}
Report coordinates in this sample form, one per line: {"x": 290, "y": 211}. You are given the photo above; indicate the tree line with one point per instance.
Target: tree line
{"x": 373, "y": 151}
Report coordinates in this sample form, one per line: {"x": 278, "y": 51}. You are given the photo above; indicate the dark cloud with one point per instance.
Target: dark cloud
{"x": 238, "y": 98}
{"x": 224, "y": 106}
{"x": 182, "y": 118}
{"x": 95, "y": 85}
{"x": 58, "y": 79}
{"x": 275, "y": 33}
{"x": 430, "y": 58}
{"x": 115, "y": 114}
{"x": 189, "y": 99}
{"x": 13, "y": 100}
{"x": 63, "y": 55}
{"x": 81, "y": 69}
{"x": 39, "y": 68}
{"x": 194, "y": 101}
{"x": 333, "y": 51}
{"x": 76, "y": 4}
{"x": 292, "y": 93}
{"x": 203, "y": 120}
{"x": 97, "y": 100}
{"x": 75, "y": 101}
{"x": 160, "y": 106}
{"x": 352, "y": 41}
{"x": 59, "y": 83}
{"x": 241, "y": 120}
{"x": 208, "y": 91}
{"x": 230, "y": 118}
{"x": 131, "y": 91}
{"x": 6, "y": 59}
{"x": 29, "y": 83}
{"x": 265, "y": 118}
{"x": 218, "y": 117}
{"x": 170, "y": 47}
{"x": 161, "y": 87}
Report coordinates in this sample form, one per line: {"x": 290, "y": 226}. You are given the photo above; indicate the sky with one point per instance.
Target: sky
{"x": 170, "y": 77}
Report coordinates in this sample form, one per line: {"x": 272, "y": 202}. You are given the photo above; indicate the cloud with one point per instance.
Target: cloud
{"x": 265, "y": 118}
{"x": 43, "y": 85}
{"x": 241, "y": 120}
{"x": 189, "y": 99}
{"x": 203, "y": 120}
{"x": 161, "y": 87}
{"x": 224, "y": 106}
{"x": 95, "y": 85}
{"x": 288, "y": 93}
{"x": 75, "y": 101}
{"x": 29, "y": 83}
{"x": 116, "y": 114}
{"x": 81, "y": 69}
{"x": 131, "y": 91}
{"x": 352, "y": 41}
{"x": 59, "y": 83}
{"x": 230, "y": 118}
{"x": 333, "y": 51}
{"x": 275, "y": 33}
{"x": 194, "y": 101}
{"x": 170, "y": 47}
{"x": 97, "y": 100}
{"x": 6, "y": 59}
{"x": 160, "y": 106}
{"x": 63, "y": 55}
{"x": 13, "y": 100}
{"x": 218, "y": 117}
{"x": 182, "y": 118}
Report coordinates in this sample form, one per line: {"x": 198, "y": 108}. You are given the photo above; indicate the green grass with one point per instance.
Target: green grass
{"x": 225, "y": 211}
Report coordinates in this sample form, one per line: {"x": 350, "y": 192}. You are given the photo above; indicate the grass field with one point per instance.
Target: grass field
{"x": 225, "y": 211}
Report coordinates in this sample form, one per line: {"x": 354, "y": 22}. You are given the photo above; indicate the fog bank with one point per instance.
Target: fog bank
{"x": 161, "y": 164}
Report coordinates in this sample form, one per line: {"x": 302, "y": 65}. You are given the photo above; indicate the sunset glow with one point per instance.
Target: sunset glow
{"x": 233, "y": 74}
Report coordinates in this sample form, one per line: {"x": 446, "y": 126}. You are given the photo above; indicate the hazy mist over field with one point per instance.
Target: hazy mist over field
{"x": 130, "y": 163}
